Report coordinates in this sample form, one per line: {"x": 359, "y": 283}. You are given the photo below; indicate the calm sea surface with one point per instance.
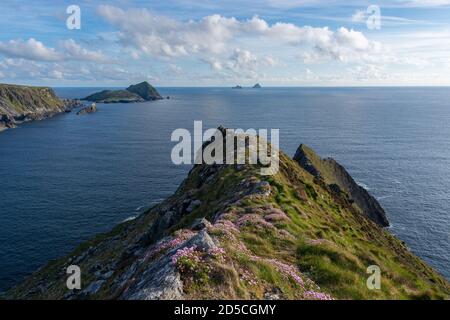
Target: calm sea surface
{"x": 69, "y": 177}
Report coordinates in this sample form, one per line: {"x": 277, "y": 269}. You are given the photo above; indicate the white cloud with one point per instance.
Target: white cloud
{"x": 73, "y": 51}
{"x": 359, "y": 16}
{"x": 216, "y": 35}
{"x": 31, "y": 50}
{"x": 35, "y": 50}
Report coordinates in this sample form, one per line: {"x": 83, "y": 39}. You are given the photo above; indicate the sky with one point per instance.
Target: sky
{"x": 225, "y": 43}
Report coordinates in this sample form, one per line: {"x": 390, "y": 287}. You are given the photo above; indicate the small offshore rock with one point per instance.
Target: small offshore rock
{"x": 91, "y": 109}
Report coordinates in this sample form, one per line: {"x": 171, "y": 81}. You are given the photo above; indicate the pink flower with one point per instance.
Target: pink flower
{"x": 317, "y": 295}
{"x": 186, "y": 252}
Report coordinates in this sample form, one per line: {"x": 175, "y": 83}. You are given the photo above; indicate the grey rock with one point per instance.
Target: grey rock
{"x": 200, "y": 224}
{"x": 332, "y": 173}
{"x": 91, "y": 109}
{"x": 93, "y": 288}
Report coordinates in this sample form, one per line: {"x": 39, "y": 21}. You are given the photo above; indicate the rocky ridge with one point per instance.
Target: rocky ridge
{"x": 230, "y": 233}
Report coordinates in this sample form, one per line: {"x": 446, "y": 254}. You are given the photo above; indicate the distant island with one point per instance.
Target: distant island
{"x": 134, "y": 93}
{"x": 256, "y": 86}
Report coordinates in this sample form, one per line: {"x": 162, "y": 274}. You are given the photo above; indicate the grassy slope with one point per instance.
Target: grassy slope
{"x": 113, "y": 96}
{"x": 15, "y": 99}
{"x": 323, "y": 239}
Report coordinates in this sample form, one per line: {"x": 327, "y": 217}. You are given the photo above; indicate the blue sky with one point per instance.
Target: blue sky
{"x": 223, "y": 43}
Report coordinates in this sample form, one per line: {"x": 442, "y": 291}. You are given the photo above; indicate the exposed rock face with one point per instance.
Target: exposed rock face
{"x": 135, "y": 93}
{"x": 338, "y": 179}
{"x": 91, "y": 109}
{"x": 24, "y": 103}
{"x": 257, "y": 86}
{"x": 230, "y": 233}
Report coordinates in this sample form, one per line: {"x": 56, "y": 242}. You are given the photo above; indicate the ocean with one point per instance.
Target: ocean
{"x": 70, "y": 177}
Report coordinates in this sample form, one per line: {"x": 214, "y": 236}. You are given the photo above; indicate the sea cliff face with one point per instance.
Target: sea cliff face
{"x": 339, "y": 180}
{"x": 25, "y": 103}
{"x": 230, "y": 233}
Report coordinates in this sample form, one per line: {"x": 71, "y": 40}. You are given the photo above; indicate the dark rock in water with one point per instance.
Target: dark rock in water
{"x": 237, "y": 87}
{"x": 6, "y": 122}
{"x": 257, "y": 86}
{"x": 135, "y": 93}
{"x": 335, "y": 175}
{"x": 71, "y": 104}
{"x": 167, "y": 97}
{"x": 91, "y": 109}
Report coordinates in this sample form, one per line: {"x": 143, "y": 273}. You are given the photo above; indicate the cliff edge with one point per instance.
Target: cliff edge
{"x": 230, "y": 233}
{"x": 26, "y": 103}
{"x": 335, "y": 175}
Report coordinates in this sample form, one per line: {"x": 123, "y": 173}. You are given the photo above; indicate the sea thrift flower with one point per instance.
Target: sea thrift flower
{"x": 164, "y": 245}
{"x": 317, "y": 295}
{"x": 249, "y": 277}
{"x": 217, "y": 251}
{"x": 287, "y": 270}
{"x": 276, "y": 215}
{"x": 253, "y": 220}
{"x": 187, "y": 252}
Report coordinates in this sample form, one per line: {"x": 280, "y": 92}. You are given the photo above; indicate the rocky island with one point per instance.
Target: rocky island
{"x": 257, "y": 86}
{"x": 134, "y": 93}
{"x": 26, "y": 103}
{"x": 305, "y": 232}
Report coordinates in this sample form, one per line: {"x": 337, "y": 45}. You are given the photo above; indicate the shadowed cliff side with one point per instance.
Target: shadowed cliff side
{"x": 230, "y": 233}
{"x": 335, "y": 175}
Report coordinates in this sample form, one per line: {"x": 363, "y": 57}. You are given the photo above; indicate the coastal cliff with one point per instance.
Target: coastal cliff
{"x": 26, "y": 103}
{"x": 339, "y": 180}
{"x": 230, "y": 233}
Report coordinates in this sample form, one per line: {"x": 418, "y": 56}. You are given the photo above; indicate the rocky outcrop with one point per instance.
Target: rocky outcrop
{"x": 237, "y": 87}
{"x": 335, "y": 175}
{"x": 257, "y": 86}
{"x": 25, "y": 103}
{"x": 230, "y": 233}
{"x": 135, "y": 93}
{"x": 91, "y": 109}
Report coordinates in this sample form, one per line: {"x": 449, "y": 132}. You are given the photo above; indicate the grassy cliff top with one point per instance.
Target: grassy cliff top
{"x": 18, "y": 99}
